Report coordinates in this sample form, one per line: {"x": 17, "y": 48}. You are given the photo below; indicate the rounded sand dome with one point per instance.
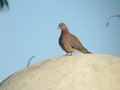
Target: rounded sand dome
{"x": 84, "y": 72}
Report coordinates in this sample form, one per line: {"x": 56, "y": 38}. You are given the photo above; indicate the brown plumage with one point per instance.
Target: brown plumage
{"x": 69, "y": 42}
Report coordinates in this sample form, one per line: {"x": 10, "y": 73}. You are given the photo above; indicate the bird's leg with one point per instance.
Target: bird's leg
{"x": 68, "y": 54}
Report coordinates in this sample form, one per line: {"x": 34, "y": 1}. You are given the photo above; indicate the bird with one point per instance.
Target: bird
{"x": 69, "y": 42}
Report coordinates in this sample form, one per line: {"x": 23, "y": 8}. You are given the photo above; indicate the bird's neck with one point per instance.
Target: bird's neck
{"x": 65, "y": 31}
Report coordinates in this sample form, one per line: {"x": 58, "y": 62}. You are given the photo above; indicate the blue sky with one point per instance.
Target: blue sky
{"x": 30, "y": 28}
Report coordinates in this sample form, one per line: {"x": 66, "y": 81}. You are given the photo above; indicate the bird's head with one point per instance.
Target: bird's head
{"x": 62, "y": 26}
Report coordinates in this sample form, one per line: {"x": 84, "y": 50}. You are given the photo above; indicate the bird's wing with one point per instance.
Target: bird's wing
{"x": 75, "y": 43}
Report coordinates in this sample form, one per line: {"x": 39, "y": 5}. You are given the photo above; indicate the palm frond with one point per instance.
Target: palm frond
{"x": 3, "y": 4}
{"x": 108, "y": 20}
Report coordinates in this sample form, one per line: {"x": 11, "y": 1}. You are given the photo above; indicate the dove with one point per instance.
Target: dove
{"x": 69, "y": 42}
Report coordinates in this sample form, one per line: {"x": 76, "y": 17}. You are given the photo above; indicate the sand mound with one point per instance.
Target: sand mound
{"x": 85, "y": 72}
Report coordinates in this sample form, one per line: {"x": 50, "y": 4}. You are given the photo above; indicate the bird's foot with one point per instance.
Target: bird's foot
{"x": 68, "y": 54}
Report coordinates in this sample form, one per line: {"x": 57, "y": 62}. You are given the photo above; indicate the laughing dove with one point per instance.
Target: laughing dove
{"x": 69, "y": 42}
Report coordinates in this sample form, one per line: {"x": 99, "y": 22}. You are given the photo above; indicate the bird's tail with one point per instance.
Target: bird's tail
{"x": 86, "y": 51}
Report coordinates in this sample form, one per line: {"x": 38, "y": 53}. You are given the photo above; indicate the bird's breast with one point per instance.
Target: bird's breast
{"x": 64, "y": 39}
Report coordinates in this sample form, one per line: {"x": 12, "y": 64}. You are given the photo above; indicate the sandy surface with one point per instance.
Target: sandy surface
{"x": 84, "y": 72}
